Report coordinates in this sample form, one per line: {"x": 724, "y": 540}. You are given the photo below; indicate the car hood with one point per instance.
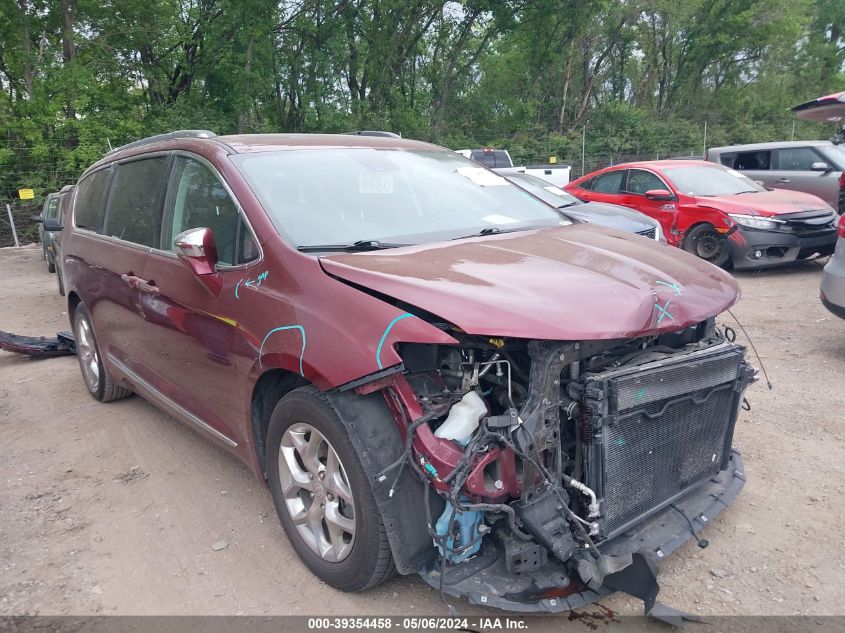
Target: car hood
{"x": 572, "y": 283}
{"x": 611, "y": 215}
{"x": 765, "y": 203}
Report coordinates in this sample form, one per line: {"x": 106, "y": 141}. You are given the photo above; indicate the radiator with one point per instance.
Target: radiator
{"x": 654, "y": 431}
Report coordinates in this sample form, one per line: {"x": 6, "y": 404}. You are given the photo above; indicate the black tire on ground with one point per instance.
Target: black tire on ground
{"x": 51, "y": 264}
{"x": 91, "y": 362}
{"x": 370, "y": 561}
{"x": 703, "y": 241}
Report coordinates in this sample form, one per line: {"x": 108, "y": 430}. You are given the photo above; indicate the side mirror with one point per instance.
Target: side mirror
{"x": 53, "y": 224}
{"x": 197, "y": 250}
{"x": 659, "y": 194}
{"x": 820, "y": 166}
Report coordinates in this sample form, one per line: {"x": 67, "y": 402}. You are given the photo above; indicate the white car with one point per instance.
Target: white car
{"x": 833, "y": 277}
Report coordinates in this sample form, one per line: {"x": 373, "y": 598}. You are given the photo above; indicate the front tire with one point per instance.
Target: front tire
{"x": 322, "y": 495}
{"x": 90, "y": 361}
{"x": 704, "y": 242}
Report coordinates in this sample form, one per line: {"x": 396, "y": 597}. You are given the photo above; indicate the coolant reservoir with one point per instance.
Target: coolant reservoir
{"x": 463, "y": 419}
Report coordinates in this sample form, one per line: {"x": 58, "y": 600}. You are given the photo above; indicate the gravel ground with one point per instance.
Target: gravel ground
{"x": 117, "y": 509}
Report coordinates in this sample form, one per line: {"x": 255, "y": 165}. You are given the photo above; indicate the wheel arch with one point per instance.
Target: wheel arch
{"x": 270, "y": 387}
{"x": 374, "y": 434}
{"x": 73, "y": 300}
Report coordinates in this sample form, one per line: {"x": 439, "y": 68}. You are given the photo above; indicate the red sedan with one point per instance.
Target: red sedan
{"x": 717, "y": 213}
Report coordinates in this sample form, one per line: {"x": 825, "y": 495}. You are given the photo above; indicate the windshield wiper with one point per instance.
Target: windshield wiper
{"x": 360, "y": 245}
{"x": 490, "y": 230}
{"x": 569, "y": 204}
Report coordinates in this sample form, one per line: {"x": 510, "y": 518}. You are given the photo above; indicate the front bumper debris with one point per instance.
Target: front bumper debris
{"x": 38, "y": 346}
{"x": 484, "y": 580}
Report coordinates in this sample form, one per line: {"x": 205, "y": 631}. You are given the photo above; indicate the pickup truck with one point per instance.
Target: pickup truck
{"x": 553, "y": 173}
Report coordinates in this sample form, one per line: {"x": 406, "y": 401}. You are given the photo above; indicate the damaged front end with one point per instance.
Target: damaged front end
{"x": 564, "y": 471}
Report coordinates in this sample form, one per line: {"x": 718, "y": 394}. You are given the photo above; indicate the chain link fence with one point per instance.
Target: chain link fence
{"x": 17, "y": 226}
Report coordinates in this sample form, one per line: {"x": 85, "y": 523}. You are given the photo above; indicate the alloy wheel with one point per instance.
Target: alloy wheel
{"x": 316, "y": 491}
{"x": 86, "y": 350}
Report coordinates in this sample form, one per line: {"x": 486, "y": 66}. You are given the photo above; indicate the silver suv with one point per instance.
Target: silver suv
{"x": 814, "y": 167}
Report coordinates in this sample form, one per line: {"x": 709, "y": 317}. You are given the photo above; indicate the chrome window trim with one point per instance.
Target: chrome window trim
{"x": 173, "y": 408}
{"x": 115, "y": 240}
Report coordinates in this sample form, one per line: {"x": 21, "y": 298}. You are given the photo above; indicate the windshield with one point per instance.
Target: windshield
{"x": 835, "y": 154}
{"x": 547, "y": 192}
{"x": 704, "y": 180}
{"x": 349, "y": 196}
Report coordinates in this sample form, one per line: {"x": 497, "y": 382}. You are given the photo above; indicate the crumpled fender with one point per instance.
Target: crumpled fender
{"x": 375, "y": 437}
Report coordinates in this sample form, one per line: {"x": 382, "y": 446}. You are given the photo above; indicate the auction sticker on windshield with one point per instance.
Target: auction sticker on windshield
{"x": 499, "y": 219}
{"x": 375, "y": 183}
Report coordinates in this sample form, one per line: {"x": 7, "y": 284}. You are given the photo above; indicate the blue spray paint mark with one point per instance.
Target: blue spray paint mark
{"x": 673, "y": 285}
{"x": 280, "y": 329}
{"x": 251, "y": 283}
{"x": 384, "y": 336}
{"x": 663, "y": 311}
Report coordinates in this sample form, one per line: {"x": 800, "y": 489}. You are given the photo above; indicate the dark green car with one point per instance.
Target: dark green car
{"x": 51, "y": 221}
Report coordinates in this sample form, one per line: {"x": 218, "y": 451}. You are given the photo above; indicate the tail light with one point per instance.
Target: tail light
{"x": 842, "y": 180}
{"x": 840, "y": 230}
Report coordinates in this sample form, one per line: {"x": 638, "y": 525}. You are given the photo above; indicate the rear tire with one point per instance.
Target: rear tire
{"x": 310, "y": 460}
{"x": 705, "y": 243}
{"x": 51, "y": 264}
{"x": 91, "y": 362}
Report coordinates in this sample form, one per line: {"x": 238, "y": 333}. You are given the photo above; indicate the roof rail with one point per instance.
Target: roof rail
{"x": 375, "y": 133}
{"x": 164, "y": 137}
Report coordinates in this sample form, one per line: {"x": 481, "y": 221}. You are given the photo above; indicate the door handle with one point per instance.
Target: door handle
{"x": 140, "y": 284}
{"x": 131, "y": 280}
{"x": 148, "y": 286}
{"x": 783, "y": 180}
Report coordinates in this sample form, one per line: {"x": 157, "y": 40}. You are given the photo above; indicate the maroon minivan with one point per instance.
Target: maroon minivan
{"x": 435, "y": 372}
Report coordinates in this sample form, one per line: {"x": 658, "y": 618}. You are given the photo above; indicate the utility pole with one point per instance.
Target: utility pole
{"x": 583, "y": 146}
{"x": 12, "y": 224}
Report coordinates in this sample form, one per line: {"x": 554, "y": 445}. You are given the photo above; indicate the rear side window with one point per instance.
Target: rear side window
{"x": 727, "y": 159}
{"x": 755, "y": 161}
{"x": 135, "y": 202}
{"x": 797, "y": 158}
{"x": 197, "y": 198}
{"x": 492, "y": 159}
{"x": 89, "y": 207}
{"x": 610, "y": 182}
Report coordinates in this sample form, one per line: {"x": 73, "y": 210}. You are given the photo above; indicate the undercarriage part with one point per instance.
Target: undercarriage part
{"x": 62, "y": 344}
{"x": 543, "y": 516}
{"x": 521, "y": 556}
{"x": 485, "y": 580}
